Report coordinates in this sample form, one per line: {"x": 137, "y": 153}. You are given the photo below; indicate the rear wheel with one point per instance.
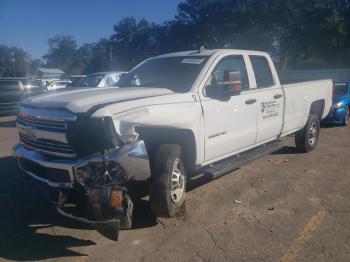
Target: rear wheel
{"x": 306, "y": 139}
{"x": 346, "y": 117}
{"x": 168, "y": 182}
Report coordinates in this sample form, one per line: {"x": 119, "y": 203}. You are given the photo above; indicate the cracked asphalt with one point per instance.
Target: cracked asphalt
{"x": 294, "y": 207}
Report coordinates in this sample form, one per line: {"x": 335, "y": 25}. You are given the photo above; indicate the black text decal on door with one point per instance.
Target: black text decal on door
{"x": 269, "y": 109}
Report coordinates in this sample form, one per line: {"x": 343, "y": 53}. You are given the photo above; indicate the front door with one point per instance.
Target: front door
{"x": 230, "y": 122}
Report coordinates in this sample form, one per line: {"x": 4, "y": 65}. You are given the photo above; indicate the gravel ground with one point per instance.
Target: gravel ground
{"x": 294, "y": 207}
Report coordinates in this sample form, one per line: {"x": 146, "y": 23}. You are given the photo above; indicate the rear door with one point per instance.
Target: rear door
{"x": 270, "y": 99}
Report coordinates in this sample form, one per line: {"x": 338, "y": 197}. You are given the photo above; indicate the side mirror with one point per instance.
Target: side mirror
{"x": 232, "y": 83}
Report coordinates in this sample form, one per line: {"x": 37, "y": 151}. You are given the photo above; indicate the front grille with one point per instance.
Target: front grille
{"x": 47, "y": 146}
{"x": 48, "y": 125}
{"x": 44, "y": 135}
{"x": 46, "y": 173}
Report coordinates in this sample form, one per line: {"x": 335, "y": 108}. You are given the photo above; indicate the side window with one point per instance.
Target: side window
{"x": 231, "y": 63}
{"x": 262, "y": 71}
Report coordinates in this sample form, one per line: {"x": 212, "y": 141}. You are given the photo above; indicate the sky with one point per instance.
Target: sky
{"x": 28, "y": 24}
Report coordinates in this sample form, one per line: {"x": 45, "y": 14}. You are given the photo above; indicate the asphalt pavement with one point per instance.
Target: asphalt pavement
{"x": 291, "y": 207}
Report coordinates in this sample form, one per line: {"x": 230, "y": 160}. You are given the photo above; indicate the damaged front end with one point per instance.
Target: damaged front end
{"x": 106, "y": 208}
{"x": 92, "y": 186}
{"x": 106, "y": 203}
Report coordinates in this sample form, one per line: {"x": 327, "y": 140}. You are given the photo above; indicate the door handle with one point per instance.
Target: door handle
{"x": 278, "y": 96}
{"x": 250, "y": 101}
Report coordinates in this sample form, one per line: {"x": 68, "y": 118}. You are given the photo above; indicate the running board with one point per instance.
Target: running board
{"x": 223, "y": 167}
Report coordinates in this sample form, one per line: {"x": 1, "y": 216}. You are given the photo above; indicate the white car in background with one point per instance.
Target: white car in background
{"x": 58, "y": 84}
{"x": 102, "y": 79}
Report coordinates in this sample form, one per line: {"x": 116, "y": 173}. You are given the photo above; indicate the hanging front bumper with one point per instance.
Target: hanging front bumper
{"x": 132, "y": 162}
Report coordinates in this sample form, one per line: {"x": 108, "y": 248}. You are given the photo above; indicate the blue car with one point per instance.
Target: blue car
{"x": 340, "y": 113}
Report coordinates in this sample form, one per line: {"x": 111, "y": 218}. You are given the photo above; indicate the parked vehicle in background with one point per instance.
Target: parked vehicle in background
{"x": 46, "y": 82}
{"x": 73, "y": 78}
{"x": 172, "y": 116}
{"x": 57, "y": 84}
{"x": 340, "y": 112}
{"x": 12, "y": 91}
{"x": 102, "y": 79}
{"x": 47, "y": 75}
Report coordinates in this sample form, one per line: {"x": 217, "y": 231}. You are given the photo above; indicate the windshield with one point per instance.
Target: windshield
{"x": 88, "y": 81}
{"x": 340, "y": 89}
{"x": 175, "y": 73}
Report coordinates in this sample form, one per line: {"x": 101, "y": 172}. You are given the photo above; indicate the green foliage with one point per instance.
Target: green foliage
{"x": 13, "y": 62}
{"x": 63, "y": 53}
{"x": 298, "y": 33}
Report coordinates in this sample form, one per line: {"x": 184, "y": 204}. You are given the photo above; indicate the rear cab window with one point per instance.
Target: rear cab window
{"x": 262, "y": 71}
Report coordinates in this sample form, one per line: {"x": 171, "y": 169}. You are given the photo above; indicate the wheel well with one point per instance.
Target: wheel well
{"x": 317, "y": 108}
{"x": 154, "y": 137}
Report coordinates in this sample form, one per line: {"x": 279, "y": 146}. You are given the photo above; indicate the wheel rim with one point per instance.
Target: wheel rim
{"x": 313, "y": 134}
{"x": 177, "y": 183}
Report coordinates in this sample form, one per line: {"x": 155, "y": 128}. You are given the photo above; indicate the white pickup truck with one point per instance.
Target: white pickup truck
{"x": 206, "y": 111}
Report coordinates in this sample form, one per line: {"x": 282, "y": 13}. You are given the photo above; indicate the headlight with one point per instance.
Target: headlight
{"x": 338, "y": 105}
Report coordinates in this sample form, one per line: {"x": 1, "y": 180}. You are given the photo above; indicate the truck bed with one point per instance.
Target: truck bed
{"x": 299, "y": 98}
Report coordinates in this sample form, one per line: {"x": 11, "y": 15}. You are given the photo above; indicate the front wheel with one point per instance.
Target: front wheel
{"x": 168, "y": 182}
{"x": 306, "y": 139}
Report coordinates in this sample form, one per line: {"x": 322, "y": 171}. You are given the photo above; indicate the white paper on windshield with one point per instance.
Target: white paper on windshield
{"x": 194, "y": 61}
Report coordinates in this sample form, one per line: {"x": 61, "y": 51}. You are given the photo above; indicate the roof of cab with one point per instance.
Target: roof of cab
{"x": 107, "y": 73}
{"x": 210, "y": 52}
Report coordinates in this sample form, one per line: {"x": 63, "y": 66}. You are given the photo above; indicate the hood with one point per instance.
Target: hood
{"x": 83, "y": 100}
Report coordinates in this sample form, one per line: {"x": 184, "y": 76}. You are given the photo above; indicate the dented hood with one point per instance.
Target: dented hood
{"x": 84, "y": 100}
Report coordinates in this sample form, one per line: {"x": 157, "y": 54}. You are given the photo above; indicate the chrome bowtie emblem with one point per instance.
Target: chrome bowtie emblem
{"x": 29, "y": 132}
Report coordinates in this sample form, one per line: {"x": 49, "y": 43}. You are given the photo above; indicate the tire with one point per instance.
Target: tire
{"x": 168, "y": 182}
{"x": 306, "y": 139}
{"x": 347, "y": 117}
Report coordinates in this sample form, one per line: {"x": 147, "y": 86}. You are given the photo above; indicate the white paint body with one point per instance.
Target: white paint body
{"x": 240, "y": 126}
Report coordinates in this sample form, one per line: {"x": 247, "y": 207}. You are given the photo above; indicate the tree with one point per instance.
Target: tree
{"x": 99, "y": 57}
{"x": 134, "y": 41}
{"x": 14, "y": 62}
{"x": 298, "y": 33}
{"x": 63, "y": 53}
{"x": 35, "y": 64}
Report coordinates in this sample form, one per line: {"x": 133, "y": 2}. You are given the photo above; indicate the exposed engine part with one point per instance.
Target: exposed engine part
{"x": 90, "y": 175}
{"x": 108, "y": 207}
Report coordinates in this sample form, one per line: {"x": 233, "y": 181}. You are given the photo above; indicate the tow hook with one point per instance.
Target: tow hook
{"x": 109, "y": 208}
